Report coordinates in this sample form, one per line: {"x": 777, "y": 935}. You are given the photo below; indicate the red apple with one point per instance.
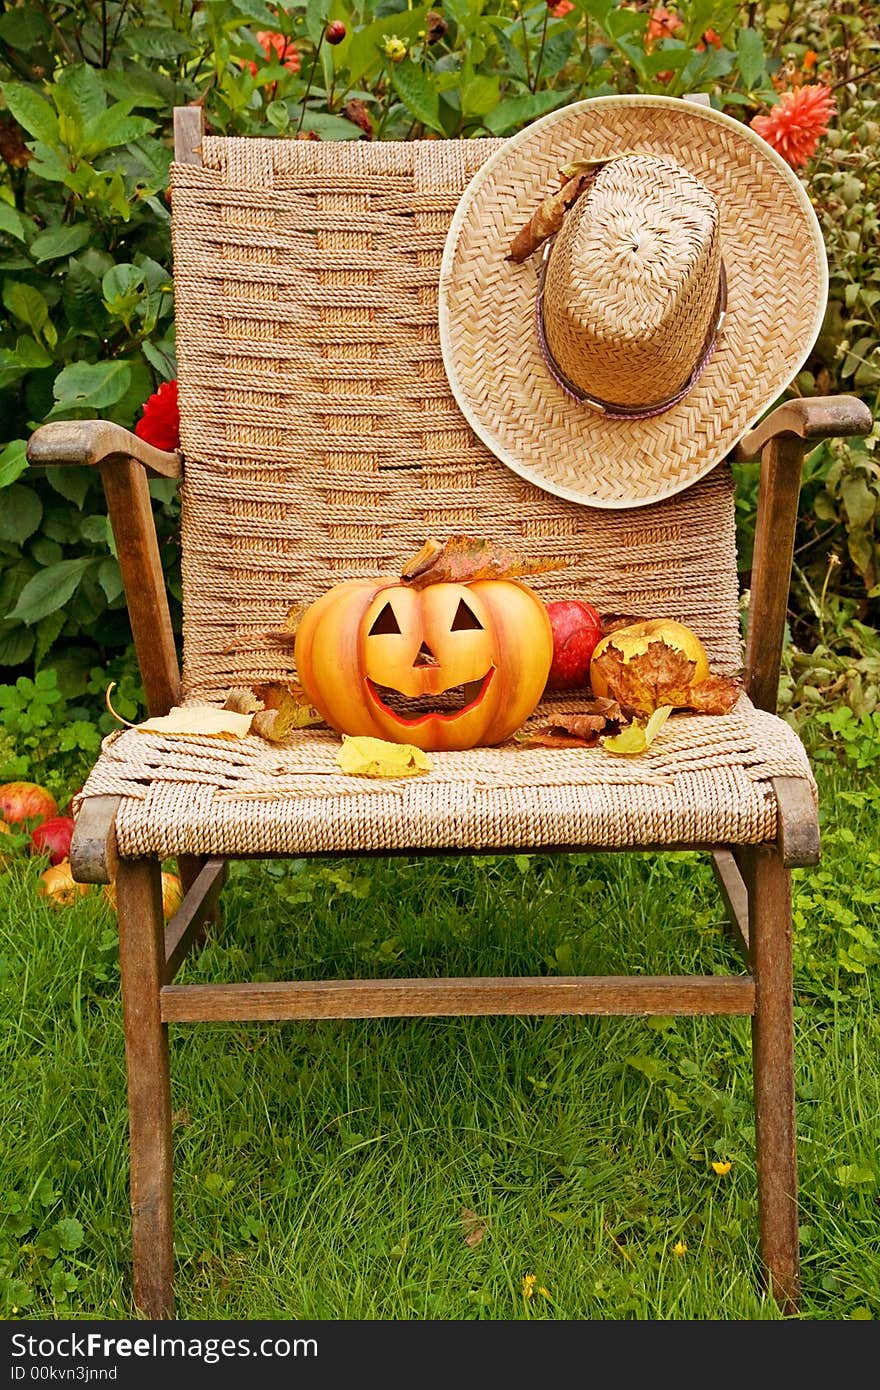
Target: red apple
{"x": 577, "y": 628}
{"x": 21, "y": 801}
{"x": 53, "y": 837}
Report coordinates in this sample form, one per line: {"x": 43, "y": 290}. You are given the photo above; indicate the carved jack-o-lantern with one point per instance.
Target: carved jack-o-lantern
{"x": 448, "y": 666}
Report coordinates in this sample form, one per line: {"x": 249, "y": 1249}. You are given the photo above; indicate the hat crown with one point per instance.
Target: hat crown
{"x": 631, "y": 285}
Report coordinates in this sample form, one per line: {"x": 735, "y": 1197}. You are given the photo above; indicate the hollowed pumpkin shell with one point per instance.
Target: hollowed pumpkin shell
{"x": 448, "y": 666}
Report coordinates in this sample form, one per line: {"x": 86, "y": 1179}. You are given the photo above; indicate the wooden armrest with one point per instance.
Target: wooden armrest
{"x": 98, "y": 442}
{"x": 781, "y": 442}
{"x": 808, "y": 417}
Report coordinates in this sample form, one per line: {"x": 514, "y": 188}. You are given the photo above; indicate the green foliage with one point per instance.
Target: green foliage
{"x": 52, "y": 738}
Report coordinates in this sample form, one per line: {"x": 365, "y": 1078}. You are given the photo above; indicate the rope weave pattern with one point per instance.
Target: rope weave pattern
{"x": 704, "y": 780}
{"x": 321, "y": 437}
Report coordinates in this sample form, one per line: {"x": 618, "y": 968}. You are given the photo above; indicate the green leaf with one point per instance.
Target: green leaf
{"x": 750, "y": 57}
{"x": 20, "y": 514}
{"x": 26, "y": 304}
{"x": 317, "y": 12}
{"x": 859, "y": 500}
{"x": 16, "y": 644}
{"x": 479, "y": 95}
{"x": 26, "y": 356}
{"x": 110, "y": 578}
{"x": 71, "y": 483}
{"x": 364, "y": 53}
{"x": 329, "y": 128}
{"x": 24, "y": 28}
{"x": 32, "y": 111}
{"x": 55, "y": 242}
{"x": 49, "y": 589}
{"x": 94, "y": 529}
{"x": 47, "y": 632}
{"x": 13, "y": 461}
{"x": 114, "y": 127}
{"x": 152, "y": 42}
{"x": 256, "y": 11}
{"x": 13, "y": 224}
{"x": 415, "y": 90}
{"x": 855, "y": 1174}
{"x": 557, "y": 51}
{"x": 513, "y": 59}
{"x": 91, "y": 385}
{"x": 69, "y": 1232}
{"x": 81, "y": 297}
{"x": 518, "y": 111}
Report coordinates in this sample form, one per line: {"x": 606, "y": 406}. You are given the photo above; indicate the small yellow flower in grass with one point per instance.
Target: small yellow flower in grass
{"x": 544, "y": 1292}
{"x": 395, "y": 49}
{"x": 679, "y": 1248}
{"x": 528, "y": 1285}
{"x": 722, "y": 1169}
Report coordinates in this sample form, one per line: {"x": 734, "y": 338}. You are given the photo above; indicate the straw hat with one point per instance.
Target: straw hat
{"x": 679, "y": 289}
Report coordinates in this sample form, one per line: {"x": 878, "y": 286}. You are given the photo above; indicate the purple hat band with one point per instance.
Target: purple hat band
{"x": 625, "y": 412}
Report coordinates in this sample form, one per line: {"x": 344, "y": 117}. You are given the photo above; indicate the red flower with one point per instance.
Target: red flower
{"x": 160, "y": 423}
{"x": 561, "y": 8}
{"x": 663, "y": 23}
{"x": 278, "y": 47}
{"x": 710, "y": 37}
{"x": 795, "y": 124}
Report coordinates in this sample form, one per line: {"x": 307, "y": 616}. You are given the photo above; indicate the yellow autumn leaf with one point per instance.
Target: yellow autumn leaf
{"x": 374, "y": 757}
{"x": 206, "y": 721}
{"x": 636, "y": 737}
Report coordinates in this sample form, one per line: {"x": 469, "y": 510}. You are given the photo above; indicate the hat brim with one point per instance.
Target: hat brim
{"x": 777, "y": 276}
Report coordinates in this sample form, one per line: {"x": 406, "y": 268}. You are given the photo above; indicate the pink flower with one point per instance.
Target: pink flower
{"x": 276, "y": 46}
{"x": 663, "y": 23}
{"x": 561, "y": 8}
{"x": 160, "y": 423}
{"x": 795, "y": 124}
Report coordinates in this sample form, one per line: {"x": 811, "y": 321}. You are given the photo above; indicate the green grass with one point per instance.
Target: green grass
{"x": 322, "y": 1169}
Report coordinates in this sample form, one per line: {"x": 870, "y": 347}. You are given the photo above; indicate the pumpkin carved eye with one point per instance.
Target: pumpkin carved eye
{"x": 385, "y": 622}
{"x": 465, "y": 619}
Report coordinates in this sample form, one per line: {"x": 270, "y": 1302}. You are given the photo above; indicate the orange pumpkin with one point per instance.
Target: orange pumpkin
{"x": 447, "y": 666}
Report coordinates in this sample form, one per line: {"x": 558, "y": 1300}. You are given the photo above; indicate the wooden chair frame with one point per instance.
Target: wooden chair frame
{"x": 754, "y": 880}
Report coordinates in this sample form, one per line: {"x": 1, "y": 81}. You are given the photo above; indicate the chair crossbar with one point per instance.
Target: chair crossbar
{"x": 433, "y": 998}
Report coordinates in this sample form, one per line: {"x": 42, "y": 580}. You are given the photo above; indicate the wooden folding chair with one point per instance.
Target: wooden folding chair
{"x": 320, "y": 441}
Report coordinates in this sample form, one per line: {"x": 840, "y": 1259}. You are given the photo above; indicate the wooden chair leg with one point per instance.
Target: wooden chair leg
{"x": 773, "y": 1065}
{"x": 142, "y": 958}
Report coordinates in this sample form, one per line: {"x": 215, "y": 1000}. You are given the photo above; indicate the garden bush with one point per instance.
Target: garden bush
{"x": 87, "y": 318}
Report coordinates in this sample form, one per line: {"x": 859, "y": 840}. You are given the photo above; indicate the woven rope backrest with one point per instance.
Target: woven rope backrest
{"x": 320, "y": 437}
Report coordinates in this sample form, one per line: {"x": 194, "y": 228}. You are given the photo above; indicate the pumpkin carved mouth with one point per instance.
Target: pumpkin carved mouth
{"x": 446, "y": 704}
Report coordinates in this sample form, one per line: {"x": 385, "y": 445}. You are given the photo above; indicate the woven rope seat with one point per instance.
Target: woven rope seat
{"x": 705, "y": 781}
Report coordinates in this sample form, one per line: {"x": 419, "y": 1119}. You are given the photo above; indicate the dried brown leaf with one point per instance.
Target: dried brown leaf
{"x": 473, "y": 1226}
{"x": 612, "y": 622}
{"x": 464, "y": 559}
{"x": 659, "y": 676}
{"x": 547, "y": 218}
{"x": 714, "y": 695}
{"x": 286, "y": 708}
{"x": 581, "y": 730}
{"x": 242, "y": 701}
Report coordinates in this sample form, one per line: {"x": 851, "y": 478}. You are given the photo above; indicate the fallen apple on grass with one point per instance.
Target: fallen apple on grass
{"x": 172, "y": 894}
{"x": 59, "y": 886}
{"x": 26, "y": 801}
{"x": 577, "y": 629}
{"x": 53, "y": 837}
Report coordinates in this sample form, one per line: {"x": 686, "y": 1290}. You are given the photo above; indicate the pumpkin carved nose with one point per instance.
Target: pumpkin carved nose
{"x": 425, "y": 657}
